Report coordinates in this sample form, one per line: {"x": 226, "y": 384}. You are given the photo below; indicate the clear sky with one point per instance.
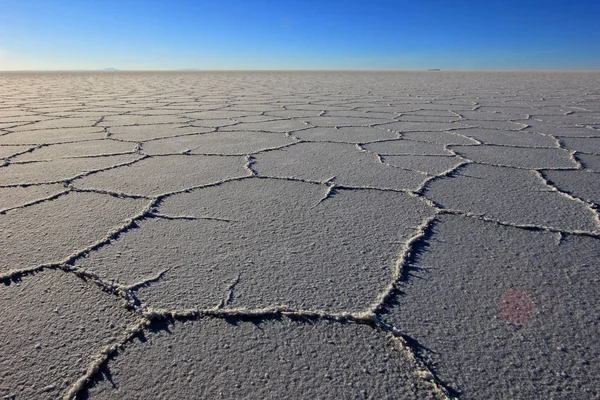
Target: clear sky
{"x": 300, "y": 34}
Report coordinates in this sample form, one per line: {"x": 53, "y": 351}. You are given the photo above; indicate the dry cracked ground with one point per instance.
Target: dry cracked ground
{"x": 300, "y": 235}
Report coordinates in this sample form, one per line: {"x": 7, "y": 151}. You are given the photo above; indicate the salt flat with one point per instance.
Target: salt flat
{"x": 388, "y": 235}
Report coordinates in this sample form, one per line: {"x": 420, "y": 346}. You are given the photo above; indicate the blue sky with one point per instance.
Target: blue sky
{"x": 302, "y": 34}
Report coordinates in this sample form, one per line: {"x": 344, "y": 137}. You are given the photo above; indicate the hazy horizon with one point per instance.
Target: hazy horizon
{"x": 309, "y": 35}
{"x": 117, "y": 70}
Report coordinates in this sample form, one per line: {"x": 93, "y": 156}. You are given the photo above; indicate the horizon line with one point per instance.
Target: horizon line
{"x": 116, "y": 70}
